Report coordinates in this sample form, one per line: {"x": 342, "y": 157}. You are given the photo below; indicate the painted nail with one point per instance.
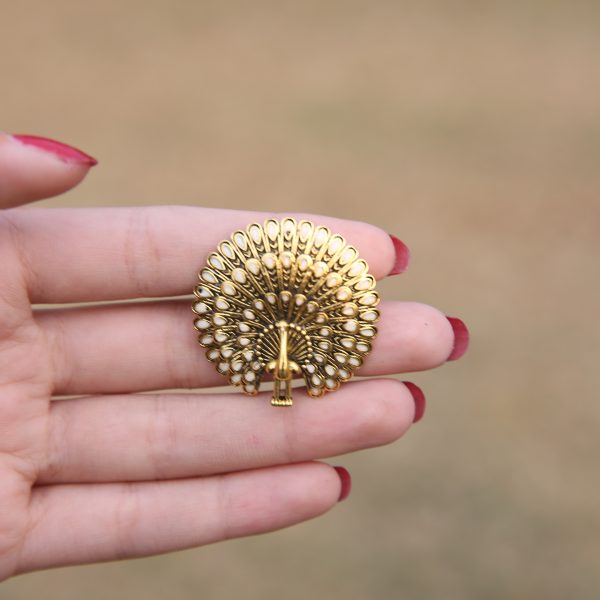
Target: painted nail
{"x": 346, "y": 480}
{"x": 461, "y": 338}
{"x": 63, "y": 151}
{"x": 418, "y": 397}
{"x": 402, "y": 256}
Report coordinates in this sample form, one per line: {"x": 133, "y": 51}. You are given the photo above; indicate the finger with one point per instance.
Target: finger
{"x": 84, "y": 523}
{"x": 151, "y": 436}
{"x": 152, "y": 345}
{"x": 89, "y": 254}
{"x": 32, "y": 168}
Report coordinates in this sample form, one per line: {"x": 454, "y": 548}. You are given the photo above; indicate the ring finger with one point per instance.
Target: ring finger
{"x": 151, "y": 436}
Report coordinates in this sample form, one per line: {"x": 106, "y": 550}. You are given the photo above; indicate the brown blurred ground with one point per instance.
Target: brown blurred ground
{"x": 469, "y": 129}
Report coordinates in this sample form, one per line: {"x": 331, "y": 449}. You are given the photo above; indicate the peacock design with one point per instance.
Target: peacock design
{"x": 286, "y": 297}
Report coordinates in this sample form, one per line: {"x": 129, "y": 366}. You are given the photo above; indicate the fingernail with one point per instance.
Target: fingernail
{"x": 346, "y": 480}
{"x": 402, "y": 256}
{"x": 418, "y": 397}
{"x": 461, "y": 338}
{"x": 63, "y": 151}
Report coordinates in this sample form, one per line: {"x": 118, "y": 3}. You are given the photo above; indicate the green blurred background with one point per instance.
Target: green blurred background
{"x": 469, "y": 129}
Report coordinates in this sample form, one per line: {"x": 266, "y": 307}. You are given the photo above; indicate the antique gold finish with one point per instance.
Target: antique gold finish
{"x": 283, "y": 368}
{"x": 286, "y": 298}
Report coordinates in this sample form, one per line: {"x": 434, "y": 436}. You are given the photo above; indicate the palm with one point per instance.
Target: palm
{"x": 24, "y": 417}
{"x": 114, "y": 472}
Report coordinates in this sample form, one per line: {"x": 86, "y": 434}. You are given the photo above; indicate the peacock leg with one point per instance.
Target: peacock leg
{"x": 282, "y": 370}
{"x": 282, "y": 395}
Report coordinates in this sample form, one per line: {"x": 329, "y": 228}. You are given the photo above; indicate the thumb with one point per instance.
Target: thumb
{"x": 33, "y": 168}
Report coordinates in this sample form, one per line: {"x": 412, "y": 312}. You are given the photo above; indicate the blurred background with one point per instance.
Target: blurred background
{"x": 471, "y": 130}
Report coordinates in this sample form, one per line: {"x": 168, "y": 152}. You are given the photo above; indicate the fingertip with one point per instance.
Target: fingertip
{"x": 33, "y": 168}
{"x": 309, "y": 488}
{"x": 60, "y": 150}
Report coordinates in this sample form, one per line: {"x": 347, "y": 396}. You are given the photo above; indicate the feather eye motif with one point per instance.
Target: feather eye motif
{"x": 286, "y": 298}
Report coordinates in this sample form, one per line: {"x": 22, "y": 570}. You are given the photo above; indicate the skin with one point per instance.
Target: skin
{"x": 114, "y": 472}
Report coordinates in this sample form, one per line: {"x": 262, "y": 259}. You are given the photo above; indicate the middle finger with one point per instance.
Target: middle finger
{"x": 145, "y": 346}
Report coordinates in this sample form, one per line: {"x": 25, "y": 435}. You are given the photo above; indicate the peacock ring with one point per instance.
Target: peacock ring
{"x": 286, "y": 298}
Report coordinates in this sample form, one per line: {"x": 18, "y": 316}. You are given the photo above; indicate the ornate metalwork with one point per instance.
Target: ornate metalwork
{"x": 286, "y": 298}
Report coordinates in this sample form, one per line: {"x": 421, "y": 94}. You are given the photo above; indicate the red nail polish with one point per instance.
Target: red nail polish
{"x": 346, "y": 480}
{"x": 64, "y": 152}
{"x": 418, "y": 397}
{"x": 461, "y": 338}
{"x": 402, "y": 256}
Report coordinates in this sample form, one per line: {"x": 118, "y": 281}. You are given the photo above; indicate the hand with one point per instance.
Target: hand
{"x": 116, "y": 473}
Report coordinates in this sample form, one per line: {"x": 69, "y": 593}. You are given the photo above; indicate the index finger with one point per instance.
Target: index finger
{"x": 96, "y": 254}
{"x": 33, "y": 167}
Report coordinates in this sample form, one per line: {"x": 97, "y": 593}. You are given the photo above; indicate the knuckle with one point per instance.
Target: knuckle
{"x": 58, "y": 432}
{"x": 161, "y": 437}
{"x": 125, "y": 520}
{"x": 140, "y": 242}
